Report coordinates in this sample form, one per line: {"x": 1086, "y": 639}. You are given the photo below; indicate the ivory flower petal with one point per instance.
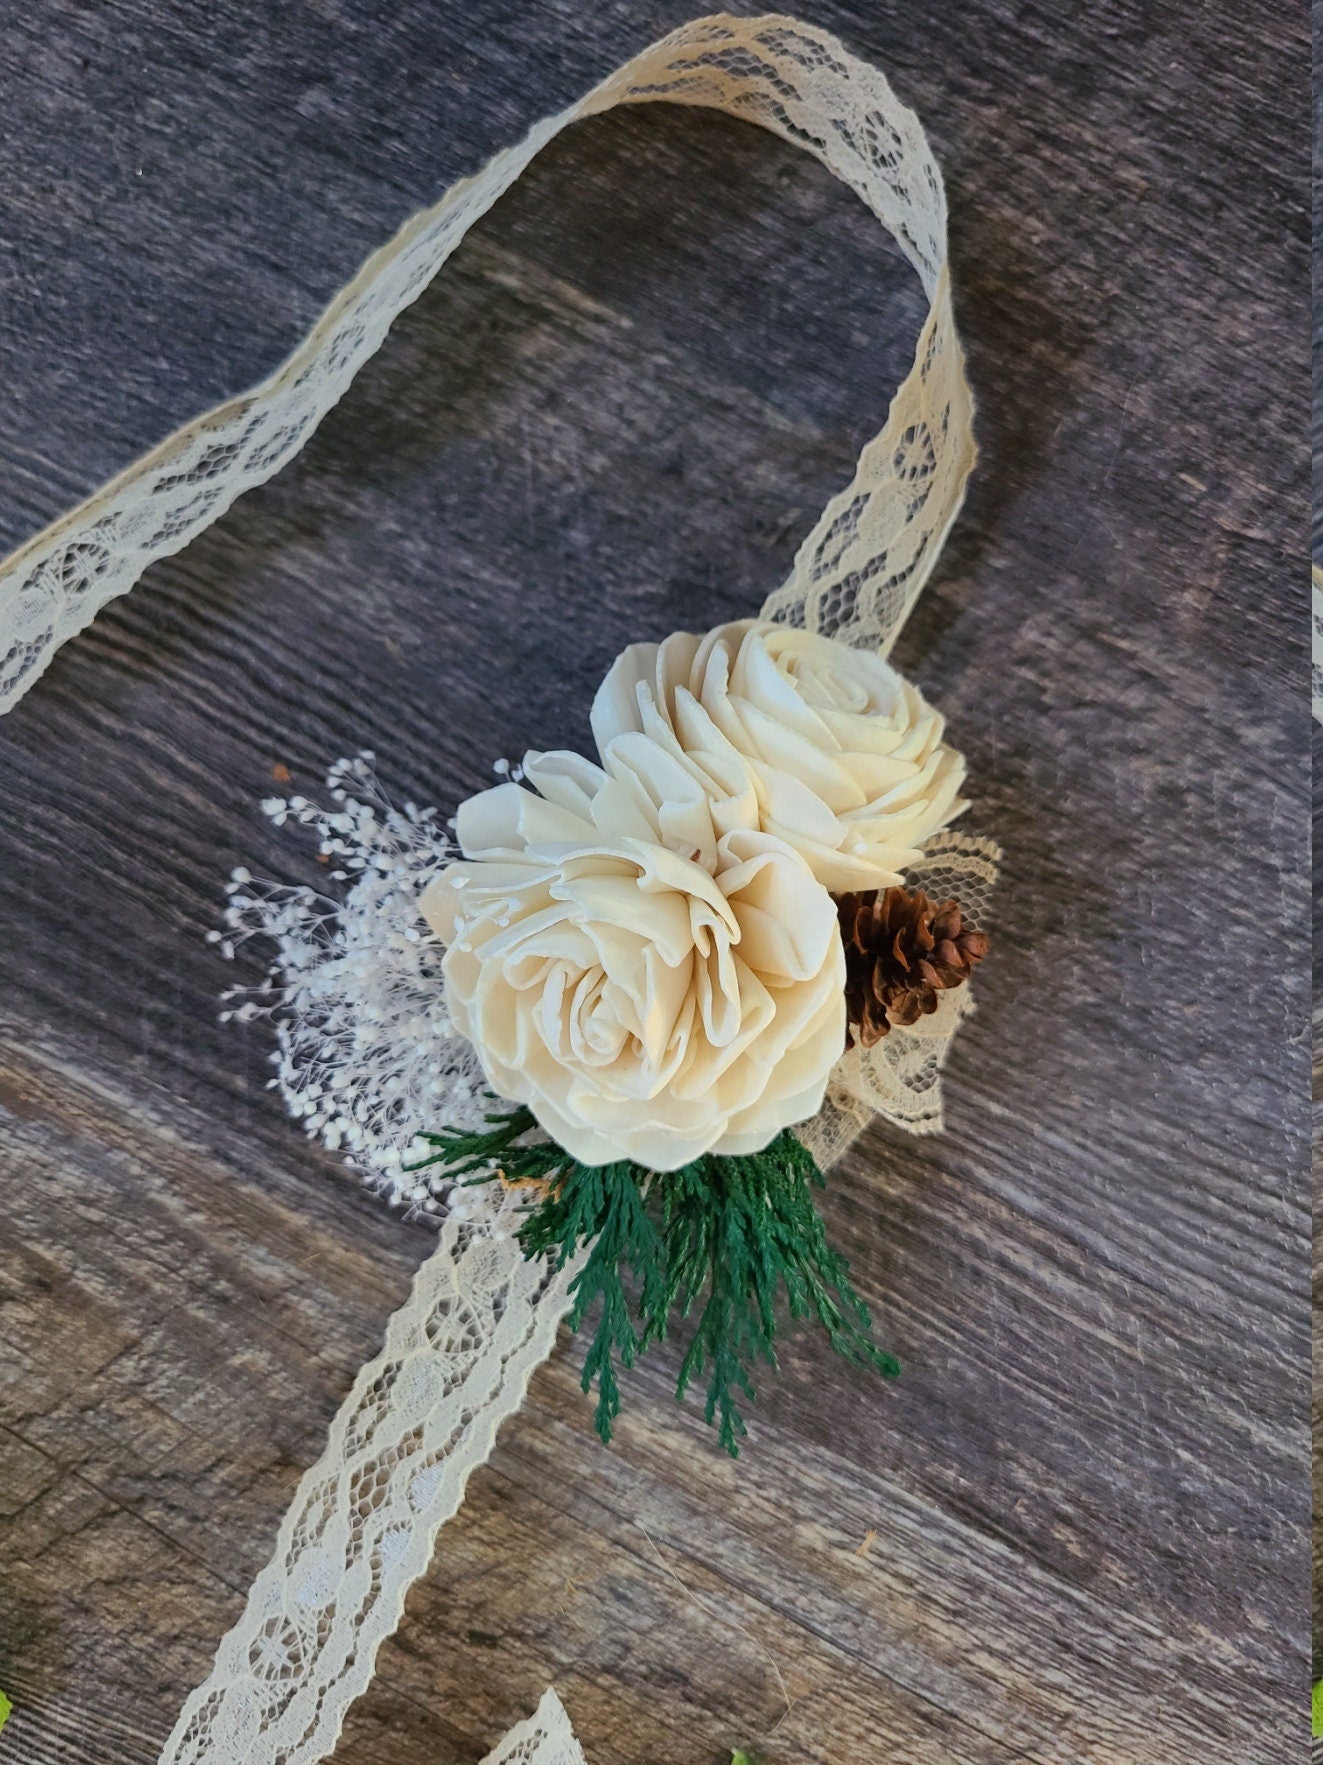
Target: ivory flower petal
{"x": 827, "y": 747}
{"x": 644, "y": 1002}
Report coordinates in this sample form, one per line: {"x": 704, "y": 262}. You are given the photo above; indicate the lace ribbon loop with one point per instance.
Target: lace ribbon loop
{"x": 859, "y": 571}
{"x": 459, "y": 1354}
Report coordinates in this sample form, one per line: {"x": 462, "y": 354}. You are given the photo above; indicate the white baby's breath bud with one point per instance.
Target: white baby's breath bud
{"x": 366, "y": 1051}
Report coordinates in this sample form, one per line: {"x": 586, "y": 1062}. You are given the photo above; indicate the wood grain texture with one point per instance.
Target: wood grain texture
{"x": 1076, "y": 1530}
{"x": 1316, "y": 1283}
{"x": 1316, "y": 1262}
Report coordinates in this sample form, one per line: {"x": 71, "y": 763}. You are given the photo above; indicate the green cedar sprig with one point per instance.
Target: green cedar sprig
{"x": 723, "y": 1236}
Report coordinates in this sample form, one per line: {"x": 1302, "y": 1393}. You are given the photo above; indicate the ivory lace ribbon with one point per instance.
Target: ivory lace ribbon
{"x": 545, "y": 1739}
{"x": 459, "y": 1354}
{"x": 458, "y": 1357}
{"x": 859, "y": 571}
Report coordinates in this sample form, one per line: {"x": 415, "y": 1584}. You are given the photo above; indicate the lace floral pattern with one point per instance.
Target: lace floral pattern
{"x": 857, "y": 574}
{"x": 545, "y": 1739}
{"x": 457, "y": 1361}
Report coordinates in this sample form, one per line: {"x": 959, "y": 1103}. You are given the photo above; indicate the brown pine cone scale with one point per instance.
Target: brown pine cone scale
{"x": 901, "y": 951}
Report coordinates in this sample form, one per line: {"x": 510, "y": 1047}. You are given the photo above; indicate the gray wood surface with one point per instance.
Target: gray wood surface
{"x": 1316, "y": 1284}
{"x": 1076, "y": 1530}
{"x": 1316, "y": 1261}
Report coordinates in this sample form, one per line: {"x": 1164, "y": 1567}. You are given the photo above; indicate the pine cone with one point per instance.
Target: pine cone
{"x": 901, "y": 951}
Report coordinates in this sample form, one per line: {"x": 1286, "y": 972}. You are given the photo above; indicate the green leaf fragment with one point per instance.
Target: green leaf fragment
{"x": 722, "y": 1239}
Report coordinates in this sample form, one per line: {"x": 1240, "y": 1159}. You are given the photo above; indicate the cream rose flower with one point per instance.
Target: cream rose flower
{"x": 643, "y": 1004}
{"x": 827, "y": 747}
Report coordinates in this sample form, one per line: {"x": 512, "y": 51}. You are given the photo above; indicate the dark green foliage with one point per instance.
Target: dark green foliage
{"x": 723, "y": 1236}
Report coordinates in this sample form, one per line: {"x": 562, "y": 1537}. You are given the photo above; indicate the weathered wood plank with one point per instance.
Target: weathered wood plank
{"x": 616, "y": 414}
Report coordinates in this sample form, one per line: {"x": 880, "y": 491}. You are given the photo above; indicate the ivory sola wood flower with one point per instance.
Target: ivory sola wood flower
{"x": 645, "y": 1005}
{"x": 839, "y": 755}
